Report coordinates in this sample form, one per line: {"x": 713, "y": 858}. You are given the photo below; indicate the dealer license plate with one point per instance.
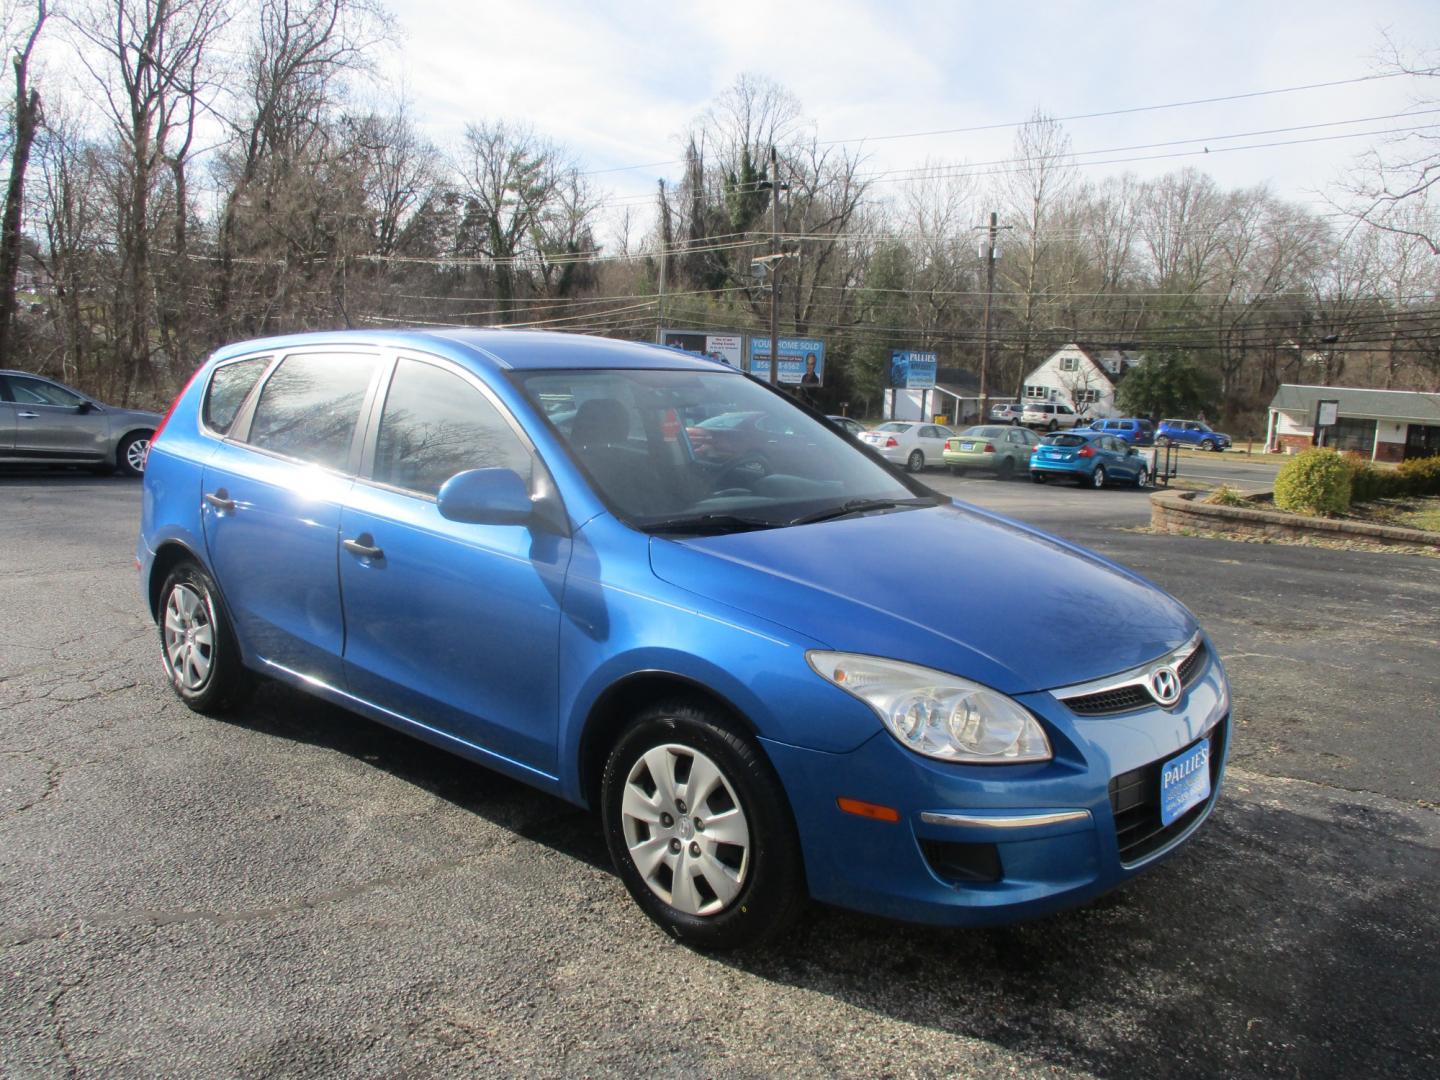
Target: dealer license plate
{"x": 1184, "y": 781}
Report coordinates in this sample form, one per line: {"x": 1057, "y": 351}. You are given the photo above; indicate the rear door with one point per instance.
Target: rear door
{"x": 272, "y": 496}
{"x": 453, "y": 624}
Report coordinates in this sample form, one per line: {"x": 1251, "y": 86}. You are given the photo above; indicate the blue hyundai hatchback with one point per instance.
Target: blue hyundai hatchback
{"x": 773, "y": 668}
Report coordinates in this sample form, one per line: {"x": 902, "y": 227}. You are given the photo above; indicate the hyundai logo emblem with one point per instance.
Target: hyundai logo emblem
{"x": 1165, "y": 685}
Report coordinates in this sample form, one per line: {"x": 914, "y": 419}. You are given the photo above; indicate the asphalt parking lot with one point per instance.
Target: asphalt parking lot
{"x": 300, "y": 892}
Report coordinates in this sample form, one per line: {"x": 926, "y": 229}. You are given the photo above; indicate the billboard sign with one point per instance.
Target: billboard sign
{"x": 802, "y": 361}
{"x": 913, "y": 370}
{"x": 727, "y": 348}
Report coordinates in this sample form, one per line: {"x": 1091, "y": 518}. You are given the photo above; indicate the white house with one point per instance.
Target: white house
{"x": 1082, "y": 378}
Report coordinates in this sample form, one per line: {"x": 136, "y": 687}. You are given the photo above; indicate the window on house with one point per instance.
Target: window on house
{"x": 1086, "y": 397}
{"x": 1037, "y": 393}
{"x": 1069, "y": 363}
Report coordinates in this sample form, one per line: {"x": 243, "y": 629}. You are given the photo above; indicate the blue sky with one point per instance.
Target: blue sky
{"x": 617, "y": 82}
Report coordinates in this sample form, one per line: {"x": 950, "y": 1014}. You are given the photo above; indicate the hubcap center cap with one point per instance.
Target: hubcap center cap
{"x": 686, "y": 828}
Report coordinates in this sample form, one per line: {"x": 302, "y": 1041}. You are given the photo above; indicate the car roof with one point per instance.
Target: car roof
{"x": 518, "y": 350}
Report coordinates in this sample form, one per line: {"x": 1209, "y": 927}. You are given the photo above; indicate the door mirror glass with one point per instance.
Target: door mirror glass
{"x": 486, "y": 497}
{"x": 84, "y": 407}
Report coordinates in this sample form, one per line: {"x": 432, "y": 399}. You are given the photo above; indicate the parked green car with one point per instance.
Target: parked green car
{"x": 1001, "y": 450}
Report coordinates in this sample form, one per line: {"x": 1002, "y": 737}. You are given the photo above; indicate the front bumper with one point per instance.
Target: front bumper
{"x": 980, "y": 845}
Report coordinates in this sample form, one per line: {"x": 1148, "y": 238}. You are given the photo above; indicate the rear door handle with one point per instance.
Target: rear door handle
{"x": 362, "y": 545}
{"x": 220, "y": 500}
{"x": 27, "y": 416}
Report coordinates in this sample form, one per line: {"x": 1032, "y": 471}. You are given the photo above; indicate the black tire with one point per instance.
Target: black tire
{"x": 1142, "y": 479}
{"x": 1038, "y": 478}
{"x": 226, "y": 684}
{"x": 1163, "y": 441}
{"x": 916, "y": 461}
{"x": 1052, "y": 426}
{"x": 129, "y": 458}
{"x": 1208, "y": 444}
{"x": 1097, "y": 478}
{"x": 1006, "y": 469}
{"x": 957, "y": 470}
{"x": 772, "y": 891}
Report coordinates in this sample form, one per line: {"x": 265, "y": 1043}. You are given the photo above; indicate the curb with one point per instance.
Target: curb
{"x": 1175, "y": 511}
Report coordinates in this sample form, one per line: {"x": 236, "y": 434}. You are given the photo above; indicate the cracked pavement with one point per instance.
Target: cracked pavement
{"x": 298, "y": 891}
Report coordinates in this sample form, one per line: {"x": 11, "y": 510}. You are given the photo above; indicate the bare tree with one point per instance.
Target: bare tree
{"x": 153, "y": 55}
{"x": 24, "y": 122}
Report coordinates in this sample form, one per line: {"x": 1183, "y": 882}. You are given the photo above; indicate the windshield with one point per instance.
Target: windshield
{"x": 688, "y": 451}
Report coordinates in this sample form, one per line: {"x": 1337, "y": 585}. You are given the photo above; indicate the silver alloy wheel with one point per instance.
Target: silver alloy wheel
{"x": 189, "y": 637}
{"x": 135, "y": 454}
{"x": 1097, "y": 478}
{"x": 1142, "y": 479}
{"x": 688, "y": 838}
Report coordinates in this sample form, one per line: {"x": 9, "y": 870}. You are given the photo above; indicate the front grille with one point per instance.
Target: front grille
{"x": 1135, "y": 803}
{"x": 1136, "y": 695}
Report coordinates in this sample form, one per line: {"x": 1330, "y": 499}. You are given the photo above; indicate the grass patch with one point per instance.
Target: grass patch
{"x": 1225, "y": 495}
{"x": 1408, "y": 513}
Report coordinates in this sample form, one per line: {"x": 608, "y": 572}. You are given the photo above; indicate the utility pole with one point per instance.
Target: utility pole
{"x": 989, "y": 294}
{"x": 774, "y": 268}
{"x": 664, "y": 251}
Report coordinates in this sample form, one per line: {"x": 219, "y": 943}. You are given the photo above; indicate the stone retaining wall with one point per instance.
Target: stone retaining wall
{"x": 1176, "y": 511}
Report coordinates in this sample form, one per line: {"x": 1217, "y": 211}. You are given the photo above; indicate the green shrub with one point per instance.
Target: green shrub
{"x": 1421, "y": 476}
{"x": 1369, "y": 482}
{"x": 1316, "y": 481}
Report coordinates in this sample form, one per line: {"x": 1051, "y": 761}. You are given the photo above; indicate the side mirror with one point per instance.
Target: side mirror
{"x": 486, "y": 497}
{"x": 84, "y": 407}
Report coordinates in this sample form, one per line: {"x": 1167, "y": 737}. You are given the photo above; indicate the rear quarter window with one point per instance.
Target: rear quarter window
{"x": 230, "y": 385}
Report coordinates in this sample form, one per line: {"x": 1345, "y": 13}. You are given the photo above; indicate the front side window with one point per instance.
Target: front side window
{"x": 436, "y": 424}
{"x": 28, "y": 391}
{"x": 641, "y": 436}
{"x": 310, "y": 406}
{"x": 229, "y": 386}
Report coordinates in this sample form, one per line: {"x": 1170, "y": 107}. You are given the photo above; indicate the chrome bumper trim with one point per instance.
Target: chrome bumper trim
{"x": 1018, "y": 821}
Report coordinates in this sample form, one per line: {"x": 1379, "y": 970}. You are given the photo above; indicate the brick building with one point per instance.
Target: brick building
{"x": 1384, "y": 425}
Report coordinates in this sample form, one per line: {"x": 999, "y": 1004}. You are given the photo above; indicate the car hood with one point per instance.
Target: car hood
{"x": 949, "y": 587}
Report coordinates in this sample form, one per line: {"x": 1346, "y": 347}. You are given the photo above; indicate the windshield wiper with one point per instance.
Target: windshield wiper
{"x": 708, "y": 523}
{"x": 857, "y": 506}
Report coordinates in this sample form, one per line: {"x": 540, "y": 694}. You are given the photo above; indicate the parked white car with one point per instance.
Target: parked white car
{"x": 909, "y": 443}
{"x": 1048, "y": 415}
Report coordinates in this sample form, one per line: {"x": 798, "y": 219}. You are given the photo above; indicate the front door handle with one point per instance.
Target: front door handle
{"x": 27, "y": 416}
{"x": 363, "y": 545}
{"x": 220, "y": 500}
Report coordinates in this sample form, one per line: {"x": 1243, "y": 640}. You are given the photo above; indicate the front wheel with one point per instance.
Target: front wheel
{"x": 1097, "y": 478}
{"x": 131, "y": 455}
{"x": 1142, "y": 479}
{"x": 1052, "y": 426}
{"x": 1162, "y": 441}
{"x": 1006, "y": 469}
{"x": 700, "y": 831}
{"x": 1208, "y": 444}
{"x": 916, "y": 461}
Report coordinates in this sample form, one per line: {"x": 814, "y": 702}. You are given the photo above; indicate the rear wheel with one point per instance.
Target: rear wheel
{"x": 197, "y": 646}
{"x": 1163, "y": 441}
{"x": 1006, "y": 469}
{"x": 698, "y": 826}
{"x": 1052, "y": 426}
{"x": 1097, "y": 478}
{"x": 1208, "y": 444}
{"x": 957, "y": 470}
{"x": 916, "y": 461}
{"x": 1038, "y": 477}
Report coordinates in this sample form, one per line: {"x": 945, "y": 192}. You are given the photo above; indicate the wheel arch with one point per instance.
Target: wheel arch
{"x": 620, "y": 700}
{"x": 169, "y": 555}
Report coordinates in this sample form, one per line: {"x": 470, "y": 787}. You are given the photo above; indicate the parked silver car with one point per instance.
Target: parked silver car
{"x": 43, "y": 422}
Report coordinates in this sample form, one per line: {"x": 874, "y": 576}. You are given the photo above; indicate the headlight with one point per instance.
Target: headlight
{"x": 935, "y": 714}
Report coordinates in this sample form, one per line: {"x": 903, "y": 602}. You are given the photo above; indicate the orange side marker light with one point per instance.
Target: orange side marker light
{"x": 868, "y": 809}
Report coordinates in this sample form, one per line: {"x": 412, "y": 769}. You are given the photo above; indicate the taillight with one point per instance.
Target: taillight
{"x": 155, "y": 435}
{"x": 891, "y": 441}
{"x": 1086, "y": 451}
{"x": 989, "y": 448}
{"x": 949, "y": 445}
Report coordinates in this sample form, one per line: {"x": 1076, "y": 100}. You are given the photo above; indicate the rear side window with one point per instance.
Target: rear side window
{"x": 434, "y": 425}
{"x": 229, "y": 387}
{"x": 309, "y": 408}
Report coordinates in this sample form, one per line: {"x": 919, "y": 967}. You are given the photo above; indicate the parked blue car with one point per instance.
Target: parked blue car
{"x": 775, "y": 674}
{"x": 1191, "y": 433}
{"x": 1089, "y": 457}
{"x": 1135, "y": 430}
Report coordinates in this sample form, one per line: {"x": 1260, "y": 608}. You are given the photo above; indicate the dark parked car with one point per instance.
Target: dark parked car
{"x": 1135, "y": 430}
{"x": 44, "y": 422}
{"x": 759, "y": 678}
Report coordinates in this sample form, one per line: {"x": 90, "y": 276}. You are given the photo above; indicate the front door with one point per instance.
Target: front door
{"x": 50, "y": 423}
{"x": 451, "y": 624}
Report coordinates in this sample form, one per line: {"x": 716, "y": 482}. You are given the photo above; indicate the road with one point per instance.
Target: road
{"x": 301, "y": 892}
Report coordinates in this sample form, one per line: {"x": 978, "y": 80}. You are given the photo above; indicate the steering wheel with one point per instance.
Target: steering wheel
{"x": 746, "y": 467}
